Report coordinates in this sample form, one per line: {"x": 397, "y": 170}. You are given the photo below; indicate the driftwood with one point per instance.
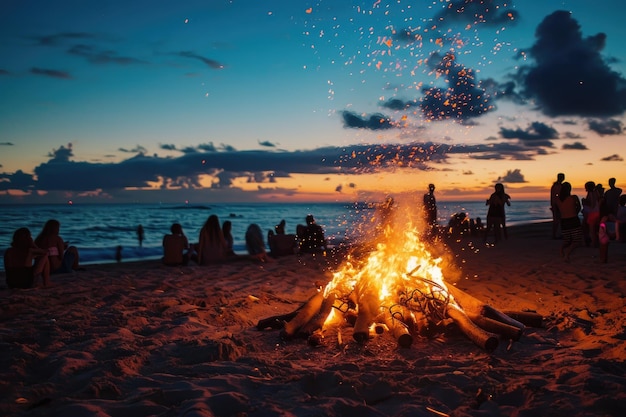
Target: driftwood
{"x": 368, "y": 310}
{"x": 481, "y": 337}
{"x": 306, "y": 313}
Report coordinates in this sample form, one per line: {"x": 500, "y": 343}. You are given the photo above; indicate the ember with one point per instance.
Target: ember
{"x": 399, "y": 288}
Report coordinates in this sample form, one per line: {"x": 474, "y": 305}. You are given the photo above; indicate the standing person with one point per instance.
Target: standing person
{"x": 140, "y": 235}
{"x": 175, "y": 247}
{"x": 24, "y": 261}
{"x": 569, "y": 206}
{"x": 62, "y": 257}
{"x": 554, "y": 207}
{"x": 495, "y": 213}
{"x": 212, "y": 246}
{"x": 612, "y": 197}
{"x": 591, "y": 213}
{"x": 430, "y": 208}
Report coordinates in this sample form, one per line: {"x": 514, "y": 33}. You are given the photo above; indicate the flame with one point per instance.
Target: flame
{"x": 400, "y": 271}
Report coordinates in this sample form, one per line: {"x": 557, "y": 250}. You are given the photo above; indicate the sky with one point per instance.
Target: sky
{"x": 280, "y": 100}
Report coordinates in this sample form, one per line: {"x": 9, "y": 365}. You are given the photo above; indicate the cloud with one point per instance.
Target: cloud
{"x": 60, "y": 38}
{"x": 615, "y": 157}
{"x": 463, "y": 99}
{"x": 512, "y": 176}
{"x": 575, "y": 146}
{"x": 397, "y": 104}
{"x": 474, "y": 12}
{"x": 4, "y": 72}
{"x": 136, "y": 149}
{"x": 99, "y": 56}
{"x": 168, "y": 146}
{"x": 6, "y": 143}
{"x": 537, "y": 134}
{"x": 51, "y": 73}
{"x": 606, "y": 127}
{"x": 211, "y": 63}
{"x": 17, "y": 181}
{"x": 569, "y": 75}
{"x": 374, "y": 122}
{"x": 267, "y": 144}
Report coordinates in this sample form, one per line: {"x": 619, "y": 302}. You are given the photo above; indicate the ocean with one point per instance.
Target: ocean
{"x": 97, "y": 230}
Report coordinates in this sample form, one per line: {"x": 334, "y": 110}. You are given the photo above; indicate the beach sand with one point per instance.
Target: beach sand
{"x": 139, "y": 339}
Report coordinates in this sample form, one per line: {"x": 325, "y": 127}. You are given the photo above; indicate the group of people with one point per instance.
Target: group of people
{"x": 215, "y": 242}
{"x": 28, "y": 259}
{"x": 603, "y": 215}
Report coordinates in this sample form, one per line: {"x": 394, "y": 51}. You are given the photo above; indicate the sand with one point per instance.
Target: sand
{"x": 139, "y": 339}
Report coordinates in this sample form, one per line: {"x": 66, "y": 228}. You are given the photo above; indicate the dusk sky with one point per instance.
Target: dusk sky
{"x": 253, "y": 100}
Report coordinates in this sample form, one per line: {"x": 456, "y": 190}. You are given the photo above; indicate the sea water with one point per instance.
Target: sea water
{"x": 97, "y": 230}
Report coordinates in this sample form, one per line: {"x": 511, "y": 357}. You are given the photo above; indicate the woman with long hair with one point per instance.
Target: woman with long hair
{"x": 62, "y": 258}
{"x": 571, "y": 229}
{"x": 24, "y": 261}
{"x": 212, "y": 246}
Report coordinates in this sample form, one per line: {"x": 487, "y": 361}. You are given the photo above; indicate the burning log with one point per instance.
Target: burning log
{"x": 368, "y": 310}
{"x": 306, "y": 313}
{"x": 481, "y": 337}
{"x": 399, "y": 330}
{"x": 276, "y": 322}
{"x": 317, "y": 321}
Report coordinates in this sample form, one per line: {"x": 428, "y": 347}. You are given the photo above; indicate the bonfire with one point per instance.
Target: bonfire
{"x": 398, "y": 287}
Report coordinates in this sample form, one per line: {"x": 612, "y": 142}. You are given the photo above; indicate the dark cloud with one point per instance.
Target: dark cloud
{"x": 512, "y": 176}
{"x": 51, "y": 73}
{"x": 606, "y": 127}
{"x": 168, "y": 146}
{"x": 136, "y": 149}
{"x": 569, "y": 75}
{"x": 373, "y": 122}
{"x": 462, "y": 99}
{"x": 267, "y": 144}
{"x": 61, "y": 38}
{"x": 6, "y": 143}
{"x": 575, "y": 146}
{"x": 211, "y": 63}
{"x": 17, "y": 181}
{"x": 63, "y": 154}
{"x": 487, "y": 12}
{"x": 99, "y": 56}
{"x": 537, "y": 134}
{"x": 397, "y": 104}
{"x": 613, "y": 158}
{"x": 4, "y": 72}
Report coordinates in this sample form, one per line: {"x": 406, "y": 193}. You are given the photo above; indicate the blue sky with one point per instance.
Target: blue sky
{"x": 323, "y": 101}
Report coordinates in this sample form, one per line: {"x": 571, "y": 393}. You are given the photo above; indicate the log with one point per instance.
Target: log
{"x": 318, "y": 320}
{"x": 528, "y": 318}
{"x": 494, "y": 326}
{"x": 306, "y": 313}
{"x": 368, "y": 309}
{"x": 399, "y": 330}
{"x": 482, "y": 338}
{"x": 492, "y": 313}
{"x": 276, "y": 322}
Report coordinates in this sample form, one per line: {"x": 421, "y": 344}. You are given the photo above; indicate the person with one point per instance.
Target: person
{"x": 620, "y": 220}
{"x": 227, "y": 230}
{"x": 554, "y": 197}
{"x": 140, "y": 235}
{"x": 280, "y": 227}
{"x": 311, "y": 236}
{"x": 571, "y": 230}
{"x": 612, "y": 196}
{"x": 476, "y": 227}
{"x": 24, "y": 261}
{"x": 62, "y": 257}
{"x": 118, "y": 253}
{"x": 255, "y": 244}
{"x": 591, "y": 213}
{"x": 175, "y": 247}
{"x": 459, "y": 225}
{"x": 212, "y": 246}
{"x": 430, "y": 209}
{"x": 496, "y": 214}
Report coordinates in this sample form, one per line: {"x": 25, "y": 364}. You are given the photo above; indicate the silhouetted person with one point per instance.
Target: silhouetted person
{"x": 311, "y": 236}
{"x": 430, "y": 206}
{"x": 612, "y": 197}
{"x": 118, "y": 253}
{"x": 569, "y": 206}
{"x": 554, "y": 207}
{"x": 140, "y": 235}
{"x": 496, "y": 217}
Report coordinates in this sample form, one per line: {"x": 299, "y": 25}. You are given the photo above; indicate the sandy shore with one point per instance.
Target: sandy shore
{"x": 139, "y": 339}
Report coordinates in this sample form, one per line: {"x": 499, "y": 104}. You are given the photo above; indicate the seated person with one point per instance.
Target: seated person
{"x": 282, "y": 244}
{"x": 24, "y": 261}
{"x": 280, "y": 227}
{"x": 458, "y": 224}
{"x": 254, "y": 243}
{"x": 311, "y": 236}
{"x": 62, "y": 258}
{"x": 175, "y": 247}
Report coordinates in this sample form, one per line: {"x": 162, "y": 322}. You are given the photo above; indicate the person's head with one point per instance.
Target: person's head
{"x": 176, "y": 229}
{"x": 431, "y": 187}
{"x": 227, "y": 226}
{"x": 499, "y": 187}
{"x": 560, "y": 177}
{"x": 600, "y": 189}
{"x": 310, "y": 219}
{"x": 590, "y": 185}
{"x": 566, "y": 190}
{"x": 611, "y": 182}
{"x": 50, "y": 228}
{"x": 22, "y": 238}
